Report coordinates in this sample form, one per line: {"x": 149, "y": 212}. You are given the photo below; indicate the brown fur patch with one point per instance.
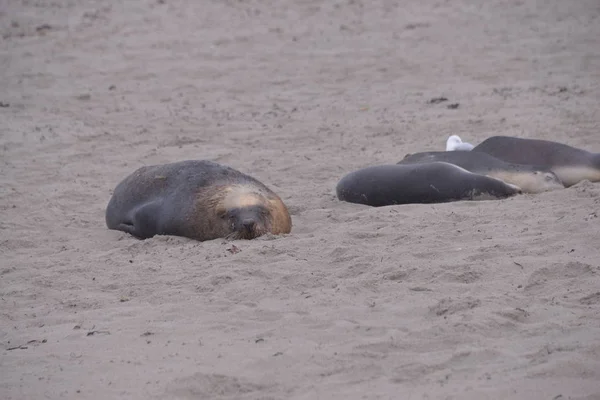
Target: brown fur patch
{"x": 282, "y": 222}
{"x": 240, "y": 196}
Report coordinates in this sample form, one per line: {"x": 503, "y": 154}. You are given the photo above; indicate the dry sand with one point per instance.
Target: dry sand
{"x": 467, "y": 300}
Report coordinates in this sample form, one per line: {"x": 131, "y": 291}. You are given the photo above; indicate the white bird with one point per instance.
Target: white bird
{"x": 454, "y": 143}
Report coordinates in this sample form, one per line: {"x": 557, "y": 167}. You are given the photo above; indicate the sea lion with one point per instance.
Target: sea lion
{"x": 434, "y": 182}
{"x": 199, "y": 200}
{"x": 570, "y": 164}
{"x": 530, "y": 178}
{"x": 455, "y": 143}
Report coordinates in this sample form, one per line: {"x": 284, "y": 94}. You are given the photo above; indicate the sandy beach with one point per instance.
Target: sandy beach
{"x": 463, "y": 300}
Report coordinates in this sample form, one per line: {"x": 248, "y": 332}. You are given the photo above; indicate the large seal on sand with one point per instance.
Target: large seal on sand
{"x": 199, "y": 200}
{"x": 530, "y": 178}
{"x": 434, "y": 182}
{"x": 570, "y": 164}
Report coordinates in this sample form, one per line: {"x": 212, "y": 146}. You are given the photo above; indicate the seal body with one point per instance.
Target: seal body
{"x": 455, "y": 143}
{"x": 570, "y": 164}
{"x": 434, "y": 182}
{"x": 199, "y": 200}
{"x": 530, "y": 178}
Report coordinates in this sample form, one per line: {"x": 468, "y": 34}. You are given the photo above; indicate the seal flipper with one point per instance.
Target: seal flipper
{"x": 128, "y": 228}
{"x": 143, "y": 222}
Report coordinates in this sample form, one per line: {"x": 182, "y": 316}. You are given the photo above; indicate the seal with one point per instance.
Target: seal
{"x": 434, "y": 182}
{"x": 197, "y": 199}
{"x": 530, "y": 178}
{"x": 570, "y": 164}
{"x": 455, "y": 143}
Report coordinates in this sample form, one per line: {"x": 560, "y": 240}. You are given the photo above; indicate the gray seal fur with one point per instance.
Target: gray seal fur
{"x": 435, "y": 182}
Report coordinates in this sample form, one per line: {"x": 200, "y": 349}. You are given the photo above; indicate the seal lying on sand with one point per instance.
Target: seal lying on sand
{"x": 455, "y": 143}
{"x": 530, "y": 178}
{"x": 570, "y": 164}
{"x": 434, "y": 182}
{"x": 199, "y": 200}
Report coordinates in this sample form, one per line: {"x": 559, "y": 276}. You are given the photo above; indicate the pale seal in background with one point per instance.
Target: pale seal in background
{"x": 570, "y": 164}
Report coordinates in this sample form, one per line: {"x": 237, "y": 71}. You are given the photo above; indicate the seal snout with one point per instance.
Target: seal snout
{"x": 248, "y": 228}
{"x": 248, "y": 224}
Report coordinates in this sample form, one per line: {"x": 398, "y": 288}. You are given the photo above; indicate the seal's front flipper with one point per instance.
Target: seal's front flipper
{"x": 144, "y": 221}
{"x": 128, "y": 228}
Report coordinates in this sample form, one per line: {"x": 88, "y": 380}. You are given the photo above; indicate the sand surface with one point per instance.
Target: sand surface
{"x": 467, "y": 300}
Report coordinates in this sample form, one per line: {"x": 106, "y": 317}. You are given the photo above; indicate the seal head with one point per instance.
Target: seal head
{"x": 247, "y": 214}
